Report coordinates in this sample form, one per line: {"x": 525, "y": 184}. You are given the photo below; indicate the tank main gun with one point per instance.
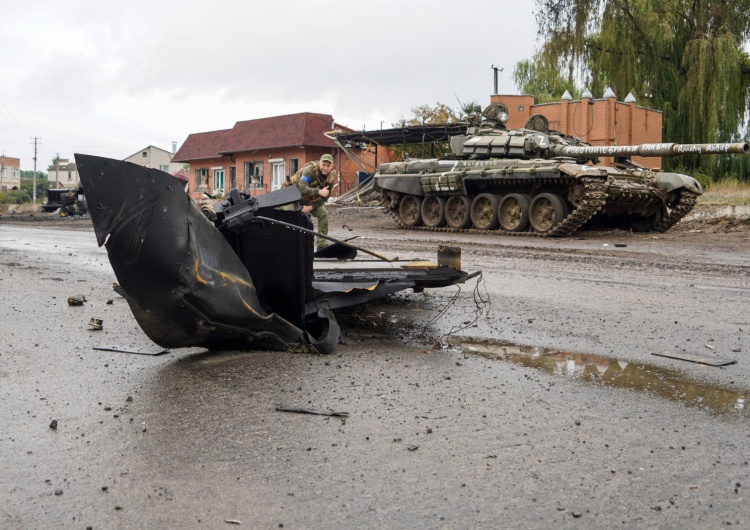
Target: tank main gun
{"x": 649, "y": 150}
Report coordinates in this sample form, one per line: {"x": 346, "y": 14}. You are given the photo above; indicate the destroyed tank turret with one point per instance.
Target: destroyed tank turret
{"x": 537, "y": 181}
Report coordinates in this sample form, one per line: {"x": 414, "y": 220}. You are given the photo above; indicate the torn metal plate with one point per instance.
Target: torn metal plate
{"x": 710, "y": 360}
{"x": 138, "y": 351}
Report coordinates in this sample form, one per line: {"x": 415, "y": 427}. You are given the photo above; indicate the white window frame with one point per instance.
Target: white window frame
{"x": 278, "y": 173}
{"x": 217, "y": 172}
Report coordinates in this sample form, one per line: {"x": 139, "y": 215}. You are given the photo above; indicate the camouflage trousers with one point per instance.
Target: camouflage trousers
{"x": 321, "y": 214}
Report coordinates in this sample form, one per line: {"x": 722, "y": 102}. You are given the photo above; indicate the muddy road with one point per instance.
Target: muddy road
{"x": 529, "y": 398}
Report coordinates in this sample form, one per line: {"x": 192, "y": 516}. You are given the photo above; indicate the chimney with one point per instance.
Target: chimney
{"x": 174, "y": 148}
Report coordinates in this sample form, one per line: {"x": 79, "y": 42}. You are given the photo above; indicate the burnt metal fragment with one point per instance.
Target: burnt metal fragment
{"x": 242, "y": 280}
{"x": 317, "y": 412}
{"x": 701, "y": 358}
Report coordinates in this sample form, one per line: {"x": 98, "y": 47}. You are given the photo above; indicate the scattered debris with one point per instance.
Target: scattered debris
{"x": 96, "y": 324}
{"x": 76, "y": 299}
{"x": 413, "y": 448}
{"x": 53, "y": 424}
{"x": 709, "y": 360}
{"x": 232, "y": 521}
{"x": 620, "y": 245}
{"x": 710, "y": 347}
{"x": 300, "y": 410}
{"x": 121, "y": 349}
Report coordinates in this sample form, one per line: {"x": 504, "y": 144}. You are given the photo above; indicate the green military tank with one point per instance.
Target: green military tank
{"x": 534, "y": 181}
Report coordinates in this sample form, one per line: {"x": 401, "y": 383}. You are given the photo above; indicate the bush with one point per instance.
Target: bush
{"x": 16, "y": 197}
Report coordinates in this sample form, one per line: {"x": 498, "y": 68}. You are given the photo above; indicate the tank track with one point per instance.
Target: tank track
{"x": 593, "y": 200}
{"x": 684, "y": 205}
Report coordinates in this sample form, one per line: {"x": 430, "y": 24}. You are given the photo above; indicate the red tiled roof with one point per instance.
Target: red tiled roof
{"x": 304, "y": 128}
{"x": 199, "y": 146}
{"x": 182, "y": 175}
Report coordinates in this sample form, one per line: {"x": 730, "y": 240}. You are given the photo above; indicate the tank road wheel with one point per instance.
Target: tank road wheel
{"x": 433, "y": 212}
{"x": 513, "y": 212}
{"x": 484, "y": 211}
{"x": 409, "y": 210}
{"x": 389, "y": 199}
{"x": 576, "y": 193}
{"x": 457, "y": 212}
{"x": 545, "y": 212}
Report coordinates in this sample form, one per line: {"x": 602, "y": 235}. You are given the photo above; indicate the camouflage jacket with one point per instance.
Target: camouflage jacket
{"x": 310, "y": 180}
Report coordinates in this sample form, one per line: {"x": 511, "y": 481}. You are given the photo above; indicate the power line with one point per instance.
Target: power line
{"x": 19, "y": 128}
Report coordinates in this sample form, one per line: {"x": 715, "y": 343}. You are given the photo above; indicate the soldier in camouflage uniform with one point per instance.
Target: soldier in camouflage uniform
{"x": 316, "y": 181}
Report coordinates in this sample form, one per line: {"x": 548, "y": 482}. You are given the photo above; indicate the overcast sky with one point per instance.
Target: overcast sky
{"x": 109, "y": 78}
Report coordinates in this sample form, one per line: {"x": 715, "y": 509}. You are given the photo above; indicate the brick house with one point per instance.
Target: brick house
{"x": 10, "y": 174}
{"x": 603, "y": 121}
{"x": 156, "y": 158}
{"x": 64, "y": 174}
{"x": 256, "y": 156}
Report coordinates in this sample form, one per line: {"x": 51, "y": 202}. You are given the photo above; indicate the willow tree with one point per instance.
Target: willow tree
{"x": 684, "y": 57}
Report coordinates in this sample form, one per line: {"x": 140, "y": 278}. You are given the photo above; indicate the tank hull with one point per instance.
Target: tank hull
{"x": 538, "y": 197}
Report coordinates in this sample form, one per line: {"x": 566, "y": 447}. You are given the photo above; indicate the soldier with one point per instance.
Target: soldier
{"x": 316, "y": 180}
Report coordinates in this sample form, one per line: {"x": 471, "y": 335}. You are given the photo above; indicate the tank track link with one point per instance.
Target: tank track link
{"x": 684, "y": 205}
{"x": 594, "y": 198}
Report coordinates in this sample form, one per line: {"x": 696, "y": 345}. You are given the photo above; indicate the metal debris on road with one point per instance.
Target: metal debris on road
{"x": 232, "y": 521}
{"x": 96, "y": 324}
{"x": 709, "y": 360}
{"x": 318, "y": 412}
{"x": 121, "y": 349}
{"x": 76, "y": 299}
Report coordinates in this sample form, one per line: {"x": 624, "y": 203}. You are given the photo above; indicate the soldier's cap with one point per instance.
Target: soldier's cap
{"x": 327, "y": 158}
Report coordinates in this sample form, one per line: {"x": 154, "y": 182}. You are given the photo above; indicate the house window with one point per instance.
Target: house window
{"x": 218, "y": 179}
{"x": 293, "y": 166}
{"x": 201, "y": 178}
{"x": 254, "y": 174}
{"x": 145, "y": 154}
{"x": 232, "y": 177}
{"x": 70, "y": 176}
{"x": 164, "y": 168}
{"x": 278, "y": 175}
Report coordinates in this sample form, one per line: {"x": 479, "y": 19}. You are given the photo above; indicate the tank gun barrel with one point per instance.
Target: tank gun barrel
{"x": 652, "y": 150}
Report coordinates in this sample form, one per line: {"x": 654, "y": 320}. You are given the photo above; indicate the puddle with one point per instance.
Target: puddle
{"x": 664, "y": 382}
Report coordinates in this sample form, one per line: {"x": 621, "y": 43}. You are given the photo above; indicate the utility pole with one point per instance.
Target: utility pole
{"x": 57, "y": 171}
{"x": 33, "y": 189}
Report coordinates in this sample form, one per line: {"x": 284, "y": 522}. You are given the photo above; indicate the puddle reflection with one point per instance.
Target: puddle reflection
{"x": 664, "y": 382}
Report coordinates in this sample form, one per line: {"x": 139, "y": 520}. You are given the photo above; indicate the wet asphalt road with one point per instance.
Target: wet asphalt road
{"x": 580, "y": 427}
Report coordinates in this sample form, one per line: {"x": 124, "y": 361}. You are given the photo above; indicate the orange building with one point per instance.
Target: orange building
{"x": 603, "y": 121}
{"x": 256, "y": 156}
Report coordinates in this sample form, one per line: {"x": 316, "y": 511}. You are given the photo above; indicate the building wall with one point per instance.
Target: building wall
{"x": 154, "y": 158}
{"x": 346, "y": 168}
{"x": 595, "y": 121}
{"x": 63, "y": 175}
{"x": 10, "y": 174}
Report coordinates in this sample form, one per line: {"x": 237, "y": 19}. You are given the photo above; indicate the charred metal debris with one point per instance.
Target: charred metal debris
{"x": 246, "y": 278}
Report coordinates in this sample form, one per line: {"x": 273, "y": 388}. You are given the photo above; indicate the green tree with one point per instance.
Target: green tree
{"x": 30, "y": 175}
{"x": 42, "y": 185}
{"x": 425, "y": 115}
{"x": 684, "y": 57}
{"x": 543, "y": 77}
{"x": 428, "y": 115}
